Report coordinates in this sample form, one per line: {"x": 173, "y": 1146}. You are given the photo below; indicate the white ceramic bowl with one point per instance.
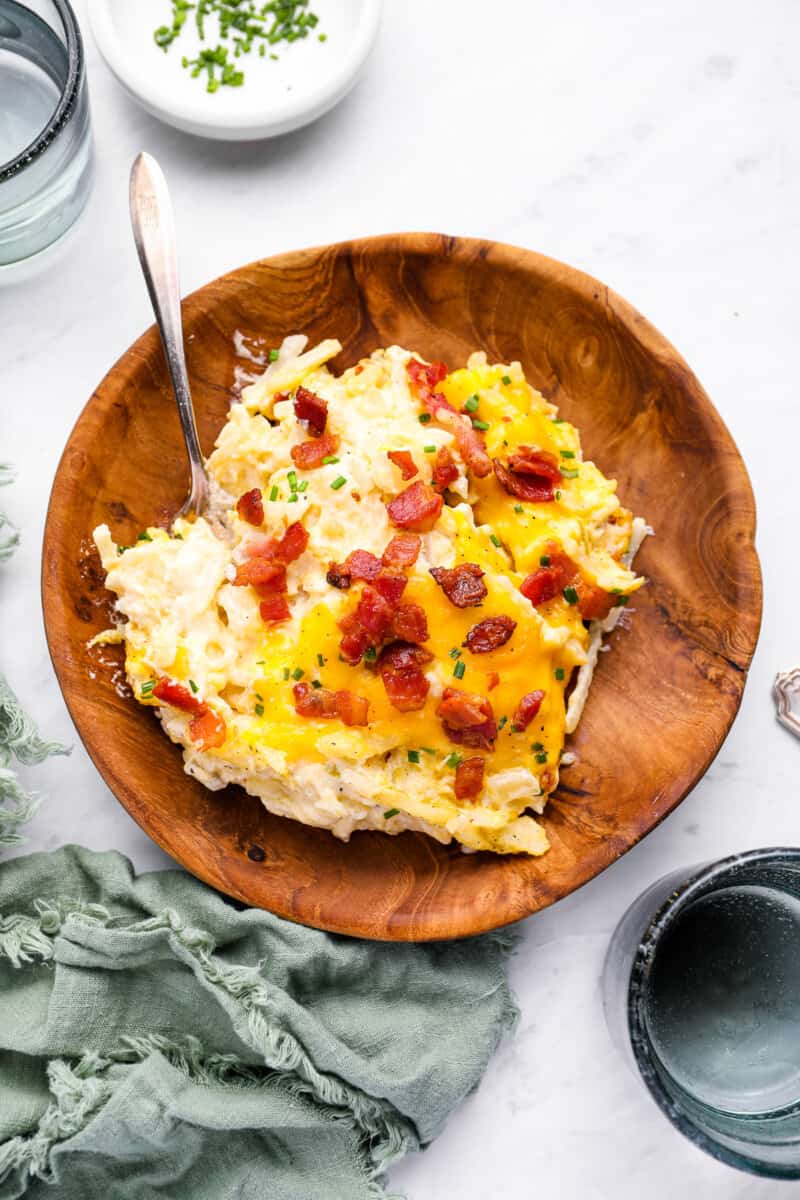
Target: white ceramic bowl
{"x": 308, "y": 78}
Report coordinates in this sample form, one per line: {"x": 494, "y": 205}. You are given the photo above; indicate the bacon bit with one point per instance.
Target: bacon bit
{"x": 492, "y": 680}
{"x": 326, "y": 704}
{"x": 400, "y": 667}
{"x": 403, "y": 460}
{"x": 445, "y": 470}
{"x": 259, "y": 572}
{"x": 354, "y": 710}
{"x": 208, "y": 730}
{"x": 309, "y": 455}
{"x": 418, "y": 507}
{"x": 292, "y": 544}
{"x": 312, "y": 410}
{"x": 424, "y": 377}
{"x": 250, "y": 507}
{"x": 535, "y": 486}
{"x": 410, "y": 624}
{"x": 463, "y": 585}
{"x": 527, "y": 709}
{"x": 593, "y": 603}
{"x": 175, "y": 694}
{"x": 391, "y": 585}
{"x": 358, "y": 369}
{"x": 530, "y": 461}
{"x": 402, "y": 551}
{"x": 275, "y": 586}
{"x": 469, "y": 778}
{"x": 489, "y": 634}
{"x": 549, "y": 581}
{"x": 274, "y": 609}
{"x": 314, "y": 702}
{"x": 355, "y": 641}
{"x": 373, "y": 613}
{"x": 467, "y": 719}
{"x": 337, "y": 577}
{"x": 360, "y": 564}
{"x": 356, "y": 496}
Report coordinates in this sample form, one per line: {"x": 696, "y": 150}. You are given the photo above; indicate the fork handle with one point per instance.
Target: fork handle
{"x": 154, "y": 234}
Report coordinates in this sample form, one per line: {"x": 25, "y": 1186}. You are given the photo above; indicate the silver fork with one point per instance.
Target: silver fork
{"x": 154, "y": 234}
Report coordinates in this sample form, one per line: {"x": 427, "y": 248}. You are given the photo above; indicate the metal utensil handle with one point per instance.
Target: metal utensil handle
{"x": 154, "y": 234}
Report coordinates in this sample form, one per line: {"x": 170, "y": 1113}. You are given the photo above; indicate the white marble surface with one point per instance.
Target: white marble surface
{"x": 653, "y": 145}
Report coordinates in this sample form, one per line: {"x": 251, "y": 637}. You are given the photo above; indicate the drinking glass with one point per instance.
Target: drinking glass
{"x": 701, "y": 988}
{"x": 45, "y": 135}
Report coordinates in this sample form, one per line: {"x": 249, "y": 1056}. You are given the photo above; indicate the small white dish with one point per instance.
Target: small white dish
{"x": 309, "y": 77}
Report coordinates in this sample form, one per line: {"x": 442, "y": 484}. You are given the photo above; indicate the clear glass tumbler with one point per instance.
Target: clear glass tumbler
{"x": 45, "y": 134}
{"x": 702, "y": 996}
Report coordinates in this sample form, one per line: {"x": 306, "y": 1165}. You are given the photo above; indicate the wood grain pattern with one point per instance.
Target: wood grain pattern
{"x": 662, "y": 701}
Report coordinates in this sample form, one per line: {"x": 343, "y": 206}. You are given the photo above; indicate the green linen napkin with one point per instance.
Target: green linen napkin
{"x": 156, "y": 1041}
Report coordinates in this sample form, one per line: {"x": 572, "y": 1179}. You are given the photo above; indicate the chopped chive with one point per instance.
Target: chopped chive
{"x": 558, "y": 495}
{"x": 273, "y": 356}
{"x": 502, "y": 722}
{"x": 459, "y": 669}
{"x": 455, "y": 652}
{"x": 537, "y": 747}
{"x": 178, "y": 537}
{"x": 329, "y": 459}
{"x": 570, "y": 474}
{"x": 315, "y": 683}
{"x": 516, "y": 728}
{"x": 557, "y": 420}
{"x": 390, "y": 812}
{"x": 616, "y": 591}
{"x": 322, "y": 37}
{"x": 482, "y": 425}
{"x": 559, "y": 672}
{"x": 147, "y": 687}
{"x": 518, "y": 508}
{"x": 273, "y": 492}
{"x": 259, "y": 710}
{"x": 452, "y": 760}
{"x": 541, "y": 758}
{"x": 495, "y": 540}
{"x": 427, "y": 750}
{"x": 506, "y": 380}
{"x": 302, "y": 485}
{"x": 285, "y": 672}
{"x": 370, "y": 654}
{"x": 567, "y": 453}
{"x": 424, "y": 418}
{"x": 413, "y": 756}
{"x": 298, "y": 673}
{"x": 570, "y": 595}
{"x": 338, "y": 482}
{"x": 544, "y": 561}
{"x": 321, "y": 660}
{"x": 429, "y": 449}
{"x": 622, "y": 601}
{"x": 194, "y": 686}
{"x": 471, "y": 405}
{"x": 292, "y": 499}
{"x": 144, "y": 536}
{"x": 292, "y": 477}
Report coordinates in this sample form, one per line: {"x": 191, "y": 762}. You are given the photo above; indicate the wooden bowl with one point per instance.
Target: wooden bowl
{"x": 663, "y": 699}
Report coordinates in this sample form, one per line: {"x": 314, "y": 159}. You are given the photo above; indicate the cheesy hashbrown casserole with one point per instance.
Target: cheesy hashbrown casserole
{"x": 403, "y": 572}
